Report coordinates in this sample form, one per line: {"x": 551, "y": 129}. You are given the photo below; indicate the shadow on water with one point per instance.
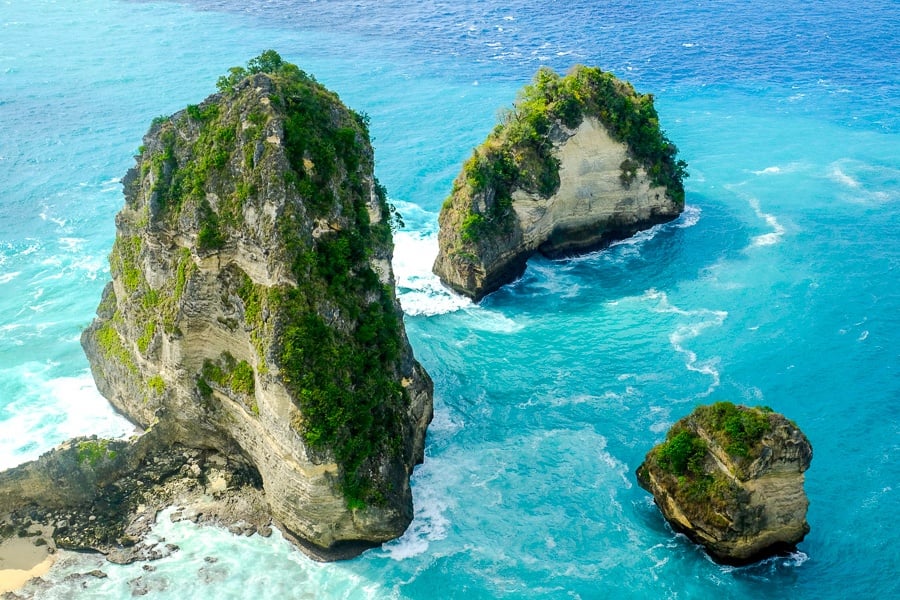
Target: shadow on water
{"x": 661, "y": 258}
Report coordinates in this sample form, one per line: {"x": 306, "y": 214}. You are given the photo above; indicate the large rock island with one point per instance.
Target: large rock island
{"x": 731, "y": 478}
{"x": 251, "y": 317}
{"x": 580, "y": 161}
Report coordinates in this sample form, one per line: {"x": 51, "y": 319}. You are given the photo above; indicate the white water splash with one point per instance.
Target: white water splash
{"x": 689, "y": 217}
{"x": 778, "y": 230}
{"x": 430, "y": 522}
{"x": 420, "y": 291}
{"x": 43, "y": 415}
{"x": 701, "y": 320}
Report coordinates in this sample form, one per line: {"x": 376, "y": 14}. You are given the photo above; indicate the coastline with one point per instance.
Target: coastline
{"x": 21, "y": 561}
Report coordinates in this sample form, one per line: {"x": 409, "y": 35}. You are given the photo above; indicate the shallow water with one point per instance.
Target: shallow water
{"x": 778, "y": 286}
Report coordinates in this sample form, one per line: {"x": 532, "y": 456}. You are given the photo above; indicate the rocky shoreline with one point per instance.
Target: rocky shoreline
{"x": 205, "y": 486}
{"x": 202, "y": 486}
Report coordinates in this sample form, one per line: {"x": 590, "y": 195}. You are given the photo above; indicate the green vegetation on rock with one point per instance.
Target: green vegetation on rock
{"x": 252, "y": 284}
{"x": 518, "y": 153}
{"x": 335, "y": 336}
{"x": 682, "y": 453}
{"x": 731, "y": 478}
{"x": 738, "y": 429}
{"x": 341, "y": 370}
{"x": 156, "y": 384}
{"x": 682, "y": 456}
{"x": 93, "y": 451}
{"x": 124, "y": 262}
{"x": 230, "y": 374}
{"x": 112, "y": 347}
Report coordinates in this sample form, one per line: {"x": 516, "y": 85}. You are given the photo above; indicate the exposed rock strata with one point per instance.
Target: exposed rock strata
{"x": 252, "y": 312}
{"x": 731, "y": 478}
{"x": 564, "y": 173}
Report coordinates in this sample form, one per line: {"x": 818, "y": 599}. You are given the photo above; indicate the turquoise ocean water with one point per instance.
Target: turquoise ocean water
{"x": 780, "y": 285}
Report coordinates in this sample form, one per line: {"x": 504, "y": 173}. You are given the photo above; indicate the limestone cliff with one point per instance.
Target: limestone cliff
{"x": 731, "y": 478}
{"x": 252, "y": 308}
{"x": 578, "y": 162}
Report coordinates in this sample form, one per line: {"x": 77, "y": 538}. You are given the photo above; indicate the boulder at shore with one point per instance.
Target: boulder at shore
{"x": 731, "y": 478}
{"x": 252, "y": 317}
{"x": 578, "y": 162}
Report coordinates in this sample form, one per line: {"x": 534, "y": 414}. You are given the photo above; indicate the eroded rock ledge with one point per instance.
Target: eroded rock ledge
{"x": 252, "y": 315}
{"x": 580, "y": 161}
{"x": 731, "y": 478}
{"x": 104, "y": 495}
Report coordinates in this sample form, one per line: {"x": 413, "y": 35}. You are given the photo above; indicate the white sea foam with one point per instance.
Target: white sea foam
{"x": 42, "y": 415}
{"x": 444, "y": 423}
{"x": 32, "y": 247}
{"x": 631, "y": 246}
{"x": 552, "y": 278}
{"x": 796, "y": 559}
{"x": 839, "y": 176}
{"x": 768, "y": 171}
{"x": 865, "y": 182}
{"x": 489, "y": 320}
{"x": 7, "y": 277}
{"x": 430, "y": 522}
{"x": 774, "y": 236}
{"x": 700, "y": 320}
{"x": 111, "y": 185}
{"x": 689, "y": 217}
{"x": 420, "y": 291}
{"x": 71, "y": 244}
{"x": 47, "y": 217}
{"x": 640, "y": 238}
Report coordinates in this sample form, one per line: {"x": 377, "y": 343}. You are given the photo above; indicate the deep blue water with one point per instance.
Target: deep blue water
{"x": 780, "y": 285}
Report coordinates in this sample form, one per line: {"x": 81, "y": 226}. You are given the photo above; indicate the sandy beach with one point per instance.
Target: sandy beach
{"x": 20, "y": 560}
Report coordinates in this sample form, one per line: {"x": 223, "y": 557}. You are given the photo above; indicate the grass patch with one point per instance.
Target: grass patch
{"x": 739, "y": 429}
{"x": 92, "y": 452}
{"x": 156, "y": 385}
{"x": 112, "y": 347}
{"x": 229, "y": 374}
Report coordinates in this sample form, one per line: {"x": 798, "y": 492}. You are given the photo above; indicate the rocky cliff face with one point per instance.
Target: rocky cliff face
{"x": 731, "y": 478}
{"x": 252, "y": 309}
{"x": 579, "y": 162}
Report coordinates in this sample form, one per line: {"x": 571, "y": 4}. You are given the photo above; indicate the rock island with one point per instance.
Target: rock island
{"x": 731, "y": 478}
{"x": 578, "y": 162}
{"x": 251, "y": 330}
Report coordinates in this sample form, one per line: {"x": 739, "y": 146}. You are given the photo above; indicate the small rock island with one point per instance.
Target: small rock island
{"x": 251, "y": 330}
{"x": 578, "y": 162}
{"x": 731, "y": 478}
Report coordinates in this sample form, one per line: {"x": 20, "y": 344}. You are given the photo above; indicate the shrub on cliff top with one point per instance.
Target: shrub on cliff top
{"x": 738, "y": 428}
{"x": 682, "y": 453}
